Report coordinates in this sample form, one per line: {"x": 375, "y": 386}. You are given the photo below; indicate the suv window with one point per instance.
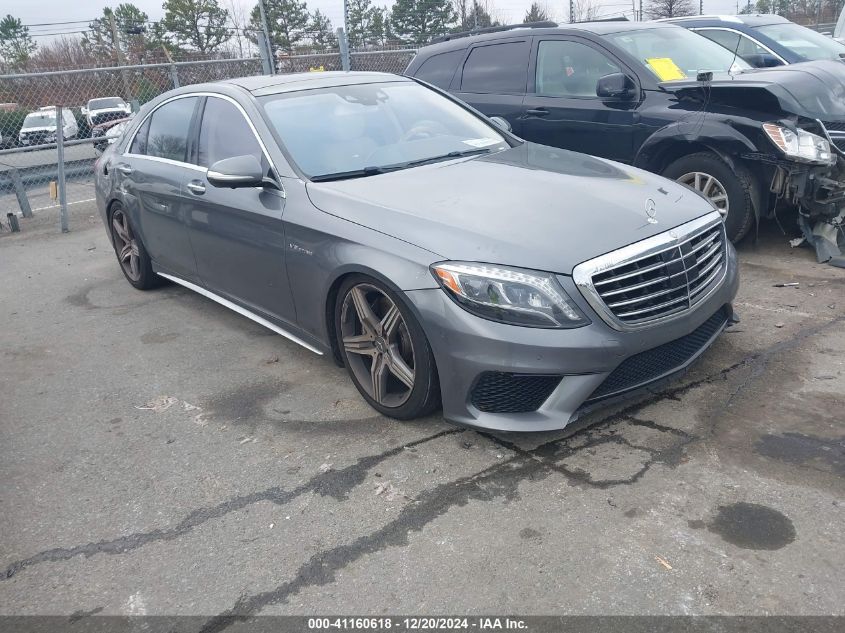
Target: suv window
{"x": 734, "y": 41}
{"x": 570, "y": 69}
{"x": 225, "y": 133}
{"x": 496, "y": 68}
{"x": 168, "y": 134}
{"x": 439, "y": 69}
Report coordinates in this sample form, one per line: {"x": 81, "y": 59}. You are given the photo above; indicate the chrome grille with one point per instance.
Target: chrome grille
{"x": 657, "y": 278}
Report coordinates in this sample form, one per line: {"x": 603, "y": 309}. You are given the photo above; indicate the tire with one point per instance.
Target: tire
{"x": 134, "y": 261}
{"x": 385, "y": 351}
{"x": 736, "y": 185}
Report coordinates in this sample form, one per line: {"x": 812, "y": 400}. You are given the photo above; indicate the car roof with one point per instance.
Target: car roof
{"x": 273, "y": 84}
{"x": 605, "y": 27}
{"x": 752, "y": 20}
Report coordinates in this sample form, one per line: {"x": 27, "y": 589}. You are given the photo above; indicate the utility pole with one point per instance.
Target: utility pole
{"x": 120, "y": 60}
{"x": 475, "y": 14}
{"x": 267, "y": 43}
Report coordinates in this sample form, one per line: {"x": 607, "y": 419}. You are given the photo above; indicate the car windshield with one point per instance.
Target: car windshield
{"x": 803, "y": 41}
{"x": 360, "y": 130}
{"x": 110, "y": 102}
{"x": 39, "y": 119}
{"x": 675, "y": 53}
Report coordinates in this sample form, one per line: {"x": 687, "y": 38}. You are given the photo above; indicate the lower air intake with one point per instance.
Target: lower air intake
{"x": 498, "y": 392}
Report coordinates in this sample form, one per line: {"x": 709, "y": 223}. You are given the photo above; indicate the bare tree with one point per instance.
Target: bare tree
{"x": 656, "y": 9}
{"x": 239, "y": 20}
{"x": 584, "y": 11}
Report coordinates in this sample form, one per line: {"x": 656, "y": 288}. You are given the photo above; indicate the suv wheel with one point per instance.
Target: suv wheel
{"x": 385, "y": 350}
{"x": 728, "y": 189}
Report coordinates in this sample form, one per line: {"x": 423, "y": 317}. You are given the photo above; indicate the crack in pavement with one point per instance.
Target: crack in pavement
{"x": 498, "y": 480}
{"x": 503, "y": 480}
{"x": 334, "y": 483}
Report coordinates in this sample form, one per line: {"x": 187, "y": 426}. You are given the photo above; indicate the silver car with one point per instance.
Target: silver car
{"x": 439, "y": 258}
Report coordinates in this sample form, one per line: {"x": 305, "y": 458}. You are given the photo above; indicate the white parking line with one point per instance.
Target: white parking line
{"x": 53, "y": 206}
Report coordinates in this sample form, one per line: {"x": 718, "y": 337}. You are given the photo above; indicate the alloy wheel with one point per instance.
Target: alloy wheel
{"x": 126, "y": 245}
{"x": 710, "y": 187}
{"x": 378, "y": 345}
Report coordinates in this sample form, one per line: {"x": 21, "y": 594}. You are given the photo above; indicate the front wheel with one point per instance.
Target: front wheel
{"x": 385, "y": 350}
{"x": 729, "y": 190}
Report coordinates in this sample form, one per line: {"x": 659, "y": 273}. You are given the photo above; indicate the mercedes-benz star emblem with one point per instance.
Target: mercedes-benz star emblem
{"x": 651, "y": 211}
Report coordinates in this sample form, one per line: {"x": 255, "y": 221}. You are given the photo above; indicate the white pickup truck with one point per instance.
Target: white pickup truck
{"x": 105, "y": 109}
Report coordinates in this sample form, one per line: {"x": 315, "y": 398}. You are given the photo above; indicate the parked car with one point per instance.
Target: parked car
{"x": 764, "y": 41}
{"x": 104, "y": 109}
{"x": 107, "y": 133}
{"x": 371, "y": 218}
{"x": 40, "y": 127}
{"x": 662, "y": 98}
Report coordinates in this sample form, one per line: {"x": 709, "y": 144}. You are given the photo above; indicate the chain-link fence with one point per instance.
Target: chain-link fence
{"x": 93, "y": 103}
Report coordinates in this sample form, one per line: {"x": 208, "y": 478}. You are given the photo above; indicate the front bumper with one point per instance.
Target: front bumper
{"x": 466, "y": 347}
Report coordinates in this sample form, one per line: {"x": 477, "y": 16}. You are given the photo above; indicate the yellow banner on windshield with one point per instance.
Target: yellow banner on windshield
{"x": 665, "y": 68}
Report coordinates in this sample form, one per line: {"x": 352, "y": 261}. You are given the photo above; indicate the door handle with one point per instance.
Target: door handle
{"x": 196, "y": 187}
{"x": 124, "y": 169}
{"x": 537, "y": 112}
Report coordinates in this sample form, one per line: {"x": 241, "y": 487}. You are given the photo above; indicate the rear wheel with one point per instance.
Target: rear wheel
{"x": 385, "y": 350}
{"x": 728, "y": 189}
{"x": 131, "y": 254}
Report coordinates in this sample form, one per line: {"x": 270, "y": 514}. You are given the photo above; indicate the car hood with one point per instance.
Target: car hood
{"x": 530, "y": 206}
{"x": 811, "y": 89}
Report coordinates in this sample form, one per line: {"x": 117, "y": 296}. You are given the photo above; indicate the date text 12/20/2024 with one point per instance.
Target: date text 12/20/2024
{"x": 417, "y": 624}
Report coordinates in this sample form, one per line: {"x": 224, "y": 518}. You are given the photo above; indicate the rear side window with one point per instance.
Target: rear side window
{"x": 169, "y": 126}
{"x": 497, "y": 68}
{"x": 439, "y": 69}
{"x": 139, "y": 143}
{"x": 224, "y": 134}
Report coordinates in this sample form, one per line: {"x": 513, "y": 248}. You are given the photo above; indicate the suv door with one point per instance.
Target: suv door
{"x": 494, "y": 76}
{"x": 237, "y": 234}
{"x": 151, "y": 173}
{"x": 561, "y": 108}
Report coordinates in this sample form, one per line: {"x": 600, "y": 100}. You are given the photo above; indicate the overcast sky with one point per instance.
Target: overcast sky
{"x": 43, "y": 11}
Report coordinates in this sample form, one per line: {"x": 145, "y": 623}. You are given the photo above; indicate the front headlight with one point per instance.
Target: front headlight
{"x": 516, "y": 296}
{"x": 800, "y": 145}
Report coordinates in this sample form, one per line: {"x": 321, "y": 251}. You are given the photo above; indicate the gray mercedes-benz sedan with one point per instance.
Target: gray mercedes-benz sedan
{"x": 377, "y": 220}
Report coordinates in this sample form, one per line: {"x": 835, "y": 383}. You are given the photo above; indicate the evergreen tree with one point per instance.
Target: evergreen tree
{"x": 287, "y": 21}
{"x": 16, "y": 44}
{"x": 200, "y": 24}
{"x": 417, "y": 21}
{"x": 537, "y": 13}
{"x": 321, "y": 31}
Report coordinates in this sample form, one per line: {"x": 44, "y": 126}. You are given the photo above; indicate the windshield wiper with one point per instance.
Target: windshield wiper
{"x": 373, "y": 171}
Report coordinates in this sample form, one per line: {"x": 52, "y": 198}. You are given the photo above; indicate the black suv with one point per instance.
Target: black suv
{"x": 659, "y": 97}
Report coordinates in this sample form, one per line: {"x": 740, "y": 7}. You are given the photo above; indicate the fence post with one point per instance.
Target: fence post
{"x": 20, "y": 192}
{"x": 60, "y": 147}
{"x": 343, "y": 45}
{"x": 266, "y": 51}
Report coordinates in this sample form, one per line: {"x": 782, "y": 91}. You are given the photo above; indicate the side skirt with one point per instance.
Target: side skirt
{"x": 242, "y": 311}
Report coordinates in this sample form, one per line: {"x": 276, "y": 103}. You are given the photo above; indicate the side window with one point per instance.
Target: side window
{"x": 439, "y": 69}
{"x": 734, "y": 42}
{"x": 570, "y": 69}
{"x": 225, "y": 133}
{"x": 139, "y": 143}
{"x": 169, "y": 125}
{"x": 496, "y": 68}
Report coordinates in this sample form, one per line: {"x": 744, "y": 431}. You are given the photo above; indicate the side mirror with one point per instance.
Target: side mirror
{"x": 83, "y": 110}
{"x": 763, "y": 60}
{"x": 236, "y": 172}
{"x": 502, "y": 123}
{"x": 615, "y": 86}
